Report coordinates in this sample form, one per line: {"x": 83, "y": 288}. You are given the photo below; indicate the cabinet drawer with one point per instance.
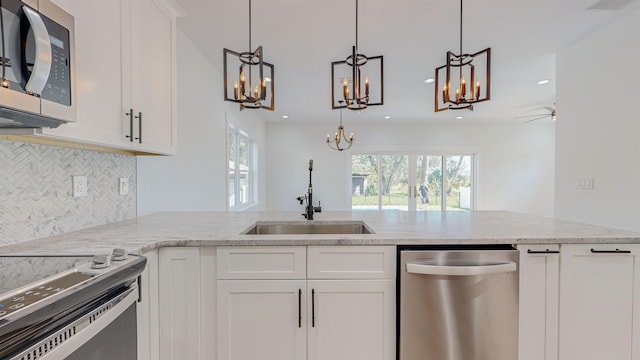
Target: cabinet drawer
{"x": 351, "y": 262}
{"x": 262, "y": 262}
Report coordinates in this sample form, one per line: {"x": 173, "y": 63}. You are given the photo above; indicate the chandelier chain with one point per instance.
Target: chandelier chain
{"x": 250, "y": 25}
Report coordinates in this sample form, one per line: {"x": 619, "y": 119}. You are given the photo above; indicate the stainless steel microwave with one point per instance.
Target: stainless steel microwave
{"x": 37, "y": 86}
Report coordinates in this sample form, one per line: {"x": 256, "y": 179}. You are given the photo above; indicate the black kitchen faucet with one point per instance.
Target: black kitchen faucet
{"x": 309, "y": 208}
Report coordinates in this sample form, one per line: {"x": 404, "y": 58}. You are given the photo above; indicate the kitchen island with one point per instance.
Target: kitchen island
{"x": 180, "y": 229}
{"x": 210, "y": 289}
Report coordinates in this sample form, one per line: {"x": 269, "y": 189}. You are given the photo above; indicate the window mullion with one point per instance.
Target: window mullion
{"x": 443, "y": 191}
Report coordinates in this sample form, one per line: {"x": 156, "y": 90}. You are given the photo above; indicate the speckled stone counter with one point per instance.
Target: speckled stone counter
{"x": 391, "y": 228}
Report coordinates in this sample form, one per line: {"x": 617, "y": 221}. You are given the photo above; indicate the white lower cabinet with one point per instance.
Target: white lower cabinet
{"x": 262, "y": 319}
{"x": 346, "y": 311}
{"x": 147, "y": 309}
{"x": 538, "y": 322}
{"x": 351, "y": 319}
{"x": 179, "y": 303}
{"x": 600, "y": 302}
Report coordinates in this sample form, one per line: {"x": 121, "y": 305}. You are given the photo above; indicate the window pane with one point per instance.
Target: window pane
{"x": 459, "y": 182}
{"x": 244, "y": 194}
{"x": 232, "y": 150}
{"x": 394, "y": 182}
{"x": 429, "y": 182}
{"x": 232, "y": 188}
{"x": 364, "y": 182}
{"x": 243, "y": 153}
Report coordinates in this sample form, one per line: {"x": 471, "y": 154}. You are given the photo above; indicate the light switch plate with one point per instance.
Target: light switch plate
{"x": 123, "y": 186}
{"x": 79, "y": 186}
{"x": 584, "y": 182}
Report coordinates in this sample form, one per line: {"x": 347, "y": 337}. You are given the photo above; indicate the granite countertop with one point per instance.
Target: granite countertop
{"x": 391, "y": 228}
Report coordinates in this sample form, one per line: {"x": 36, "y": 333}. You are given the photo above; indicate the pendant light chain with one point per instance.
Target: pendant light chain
{"x": 250, "y": 26}
{"x": 460, "y": 26}
{"x": 356, "y": 26}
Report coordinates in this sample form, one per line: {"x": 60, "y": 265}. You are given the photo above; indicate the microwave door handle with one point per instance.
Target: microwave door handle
{"x": 42, "y": 63}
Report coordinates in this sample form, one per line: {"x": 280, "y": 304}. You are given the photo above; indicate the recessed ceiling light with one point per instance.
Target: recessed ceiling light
{"x": 459, "y": 118}
{"x": 285, "y": 116}
{"x": 542, "y": 82}
{"x": 387, "y": 117}
{"x": 429, "y": 81}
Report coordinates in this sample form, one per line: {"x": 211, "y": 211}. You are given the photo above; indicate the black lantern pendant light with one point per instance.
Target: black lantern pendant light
{"x": 357, "y": 82}
{"x": 253, "y": 84}
{"x": 464, "y": 80}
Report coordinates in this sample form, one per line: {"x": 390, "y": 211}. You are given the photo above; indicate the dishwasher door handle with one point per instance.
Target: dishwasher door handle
{"x": 461, "y": 270}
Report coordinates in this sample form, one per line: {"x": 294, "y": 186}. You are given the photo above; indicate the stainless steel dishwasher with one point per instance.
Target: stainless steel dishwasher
{"x": 458, "y": 302}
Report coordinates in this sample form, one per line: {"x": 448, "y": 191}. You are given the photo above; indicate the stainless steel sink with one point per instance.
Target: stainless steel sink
{"x": 307, "y": 227}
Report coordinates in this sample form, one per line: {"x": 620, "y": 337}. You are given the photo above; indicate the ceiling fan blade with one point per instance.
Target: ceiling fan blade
{"x": 538, "y": 118}
{"x": 526, "y": 116}
{"x": 551, "y": 109}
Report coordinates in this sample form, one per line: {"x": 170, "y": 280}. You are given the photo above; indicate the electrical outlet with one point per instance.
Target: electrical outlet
{"x": 123, "y": 186}
{"x": 79, "y": 186}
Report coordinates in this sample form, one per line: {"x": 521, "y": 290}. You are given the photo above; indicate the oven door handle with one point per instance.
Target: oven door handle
{"x": 461, "y": 270}
{"x": 43, "y": 57}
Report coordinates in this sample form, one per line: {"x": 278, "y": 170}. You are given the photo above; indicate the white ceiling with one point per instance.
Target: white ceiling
{"x": 302, "y": 37}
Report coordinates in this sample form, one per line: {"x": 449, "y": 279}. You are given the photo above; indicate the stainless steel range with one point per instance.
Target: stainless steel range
{"x": 69, "y": 307}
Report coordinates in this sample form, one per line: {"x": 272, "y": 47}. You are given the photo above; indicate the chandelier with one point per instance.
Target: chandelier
{"x": 336, "y": 142}
{"x": 464, "y": 80}
{"x": 349, "y": 89}
{"x": 253, "y": 84}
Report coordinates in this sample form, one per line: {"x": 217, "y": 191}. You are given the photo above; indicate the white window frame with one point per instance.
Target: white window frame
{"x": 252, "y": 196}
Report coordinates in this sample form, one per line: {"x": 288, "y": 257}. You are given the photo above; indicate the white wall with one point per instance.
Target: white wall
{"x": 195, "y": 179}
{"x": 598, "y": 130}
{"x": 515, "y": 161}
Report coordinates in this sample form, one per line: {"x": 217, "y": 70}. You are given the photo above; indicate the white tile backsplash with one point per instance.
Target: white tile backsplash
{"x": 36, "y": 197}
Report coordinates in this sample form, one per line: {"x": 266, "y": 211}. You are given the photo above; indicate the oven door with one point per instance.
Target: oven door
{"x": 107, "y": 332}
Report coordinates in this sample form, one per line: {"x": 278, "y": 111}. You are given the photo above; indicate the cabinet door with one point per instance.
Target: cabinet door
{"x": 179, "y": 294}
{"x": 599, "y": 303}
{"x": 538, "y": 323}
{"x": 261, "y": 319}
{"x": 150, "y": 72}
{"x": 98, "y": 73}
{"x": 351, "y": 319}
{"x": 147, "y": 310}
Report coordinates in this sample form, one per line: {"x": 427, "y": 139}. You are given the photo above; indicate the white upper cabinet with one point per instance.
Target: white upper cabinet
{"x": 125, "y": 75}
{"x": 98, "y": 79}
{"x": 148, "y": 78}
{"x": 599, "y": 302}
